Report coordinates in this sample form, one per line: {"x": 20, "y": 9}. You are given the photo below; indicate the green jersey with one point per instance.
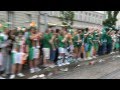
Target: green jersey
{"x": 89, "y": 39}
{"x": 1, "y": 38}
{"x": 46, "y": 40}
{"x": 109, "y": 39}
{"x": 60, "y": 43}
{"x": 28, "y": 41}
{"x": 75, "y": 39}
{"x": 103, "y": 37}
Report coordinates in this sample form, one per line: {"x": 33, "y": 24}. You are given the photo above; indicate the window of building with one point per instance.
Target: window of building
{"x": 84, "y": 18}
{"x": 86, "y": 13}
{"x": 80, "y": 17}
{"x": 29, "y": 17}
{"x": 93, "y": 20}
{"x": 77, "y": 15}
{"x": 89, "y": 14}
{"x": 96, "y": 16}
{"x": 89, "y": 19}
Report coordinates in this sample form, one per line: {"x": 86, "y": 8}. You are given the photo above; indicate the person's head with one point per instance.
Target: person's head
{"x": 33, "y": 30}
{"x": 86, "y": 29}
{"x": 79, "y": 31}
{"x": 52, "y": 31}
{"x": 47, "y": 31}
{"x": 61, "y": 32}
{"x": 57, "y": 30}
{"x": 90, "y": 34}
{"x": 75, "y": 32}
{"x": 20, "y": 34}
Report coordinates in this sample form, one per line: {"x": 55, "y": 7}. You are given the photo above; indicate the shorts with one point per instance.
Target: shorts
{"x": 86, "y": 47}
{"x": 33, "y": 53}
{"x": 76, "y": 50}
{"x": 36, "y": 53}
{"x": 62, "y": 50}
{"x": 71, "y": 48}
{"x": 17, "y": 57}
{"x": 46, "y": 53}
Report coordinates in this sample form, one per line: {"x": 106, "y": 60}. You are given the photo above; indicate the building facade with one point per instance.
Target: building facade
{"x": 18, "y": 18}
{"x": 82, "y": 19}
{"x": 44, "y": 18}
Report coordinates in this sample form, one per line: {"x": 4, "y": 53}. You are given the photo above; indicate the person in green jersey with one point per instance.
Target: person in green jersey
{"x": 89, "y": 45}
{"x": 62, "y": 39}
{"x": 76, "y": 44}
{"x": 103, "y": 41}
{"x": 82, "y": 49}
{"x": 17, "y": 56}
{"x": 46, "y": 47}
{"x": 95, "y": 42}
{"x": 1, "y": 54}
{"x": 33, "y": 53}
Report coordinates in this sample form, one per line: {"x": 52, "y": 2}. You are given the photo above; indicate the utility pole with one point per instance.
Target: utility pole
{"x": 45, "y": 20}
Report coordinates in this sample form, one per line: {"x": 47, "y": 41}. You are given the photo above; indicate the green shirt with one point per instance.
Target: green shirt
{"x": 61, "y": 44}
{"x": 89, "y": 39}
{"x": 103, "y": 37}
{"x": 82, "y": 36}
{"x": 1, "y": 38}
{"x": 75, "y": 39}
{"x": 28, "y": 41}
{"x": 109, "y": 39}
{"x": 51, "y": 34}
{"x": 46, "y": 40}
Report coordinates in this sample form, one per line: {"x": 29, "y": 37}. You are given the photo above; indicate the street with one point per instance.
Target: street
{"x": 105, "y": 67}
{"x": 109, "y": 69}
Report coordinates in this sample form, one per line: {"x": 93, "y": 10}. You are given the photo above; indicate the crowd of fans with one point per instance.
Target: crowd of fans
{"x": 53, "y": 47}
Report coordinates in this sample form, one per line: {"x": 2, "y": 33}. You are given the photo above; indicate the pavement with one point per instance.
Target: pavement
{"x": 89, "y": 69}
{"x": 108, "y": 69}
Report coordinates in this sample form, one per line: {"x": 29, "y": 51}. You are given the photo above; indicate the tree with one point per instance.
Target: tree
{"x": 67, "y": 17}
{"x": 112, "y": 19}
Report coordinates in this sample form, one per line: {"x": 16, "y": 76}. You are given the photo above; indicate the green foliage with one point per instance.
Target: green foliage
{"x": 112, "y": 19}
{"x": 67, "y": 17}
